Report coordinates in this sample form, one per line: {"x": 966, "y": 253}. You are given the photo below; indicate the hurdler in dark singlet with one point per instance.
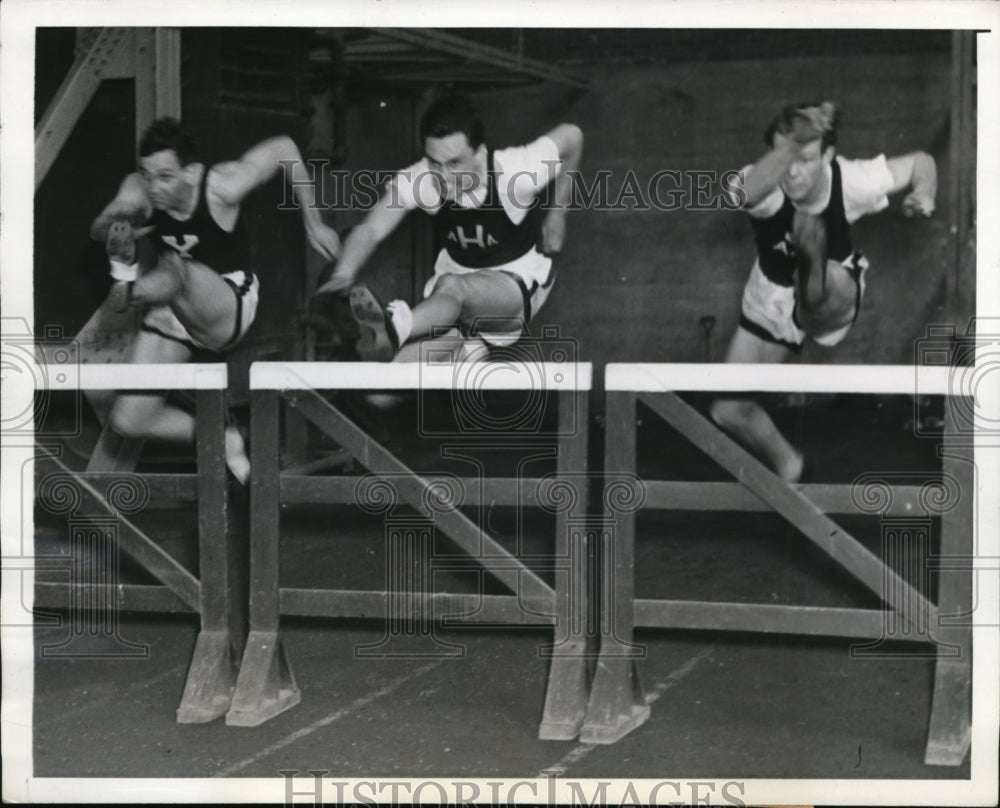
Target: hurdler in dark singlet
{"x": 775, "y": 249}
{"x": 201, "y": 239}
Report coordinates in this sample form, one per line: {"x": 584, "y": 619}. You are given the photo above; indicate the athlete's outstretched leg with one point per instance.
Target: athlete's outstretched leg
{"x": 747, "y": 421}
{"x": 208, "y": 306}
{"x": 149, "y": 416}
{"x": 471, "y": 300}
{"x": 809, "y": 235}
{"x": 157, "y": 287}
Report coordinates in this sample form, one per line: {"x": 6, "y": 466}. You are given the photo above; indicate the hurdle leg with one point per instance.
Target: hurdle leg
{"x": 212, "y": 674}
{"x": 568, "y": 684}
{"x": 617, "y": 703}
{"x": 296, "y": 427}
{"x": 950, "y": 729}
{"x": 266, "y": 685}
{"x": 113, "y": 452}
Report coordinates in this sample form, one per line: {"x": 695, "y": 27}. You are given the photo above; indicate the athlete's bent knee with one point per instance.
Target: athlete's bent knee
{"x": 127, "y": 422}
{"x": 180, "y": 267}
{"x": 729, "y": 413}
{"x": 384, "y": 401}
{"x": 452, "y": 285}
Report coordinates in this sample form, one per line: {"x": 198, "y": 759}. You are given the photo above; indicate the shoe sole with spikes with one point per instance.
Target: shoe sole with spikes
{"x": 375, "y": 337}
{"x": 121, "y": 242}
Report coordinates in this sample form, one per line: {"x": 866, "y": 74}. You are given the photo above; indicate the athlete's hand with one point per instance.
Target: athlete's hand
{"x": 553, "y": 232}
{"x": 337, "y": 284}
{"x": 810, "y": 123}
{"x": 917, "y": 203}
{"x": 323, "y": 239}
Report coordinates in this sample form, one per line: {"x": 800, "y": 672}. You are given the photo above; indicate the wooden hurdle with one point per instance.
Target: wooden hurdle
{"x": 617, "y": 704}
{"x": 266, "y": 685}
{"x": 111, "y": 496}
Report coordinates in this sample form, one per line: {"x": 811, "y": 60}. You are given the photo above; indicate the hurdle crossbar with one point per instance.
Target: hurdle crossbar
{"x": 542, "y": 376}
{"x": 617, "y": 704}
{"x": 186, "y": 376}
{"x": 211, "y": 674}
{"x": 266, "y": 685}
{"x": 765, "y": 378}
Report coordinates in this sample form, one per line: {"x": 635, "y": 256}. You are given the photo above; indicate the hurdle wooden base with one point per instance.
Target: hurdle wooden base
{"x": 617, "y": 702}
{"x": 266, "y": 686}
{"x": 212, "y": 672}
{"x": 617, "y": 705}
{"x": 949, "y": 734}
{"x": 211, "y": 678}
{"x": 565, "y": 697}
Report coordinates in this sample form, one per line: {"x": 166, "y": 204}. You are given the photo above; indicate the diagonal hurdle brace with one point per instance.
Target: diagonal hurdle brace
{"x": 266, "y": 684}
{"x": 617, "y": 703}
{"x": 110, "y": 496}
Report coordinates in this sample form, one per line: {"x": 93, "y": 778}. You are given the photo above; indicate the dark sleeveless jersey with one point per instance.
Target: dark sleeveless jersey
{"x": 484, "y": 236}
{"x": 773, "y": 234}
{"x": 200, "y": 237}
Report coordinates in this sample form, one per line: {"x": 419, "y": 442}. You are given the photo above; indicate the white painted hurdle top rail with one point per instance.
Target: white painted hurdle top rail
{"x": 472, "y": 376}
{"x": 185, "y": 376}
{"x": 888, "y": 379}
{"x": 539, "y": 376}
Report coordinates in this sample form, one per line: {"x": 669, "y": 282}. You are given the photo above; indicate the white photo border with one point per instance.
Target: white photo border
{"x": 18, "y": 21}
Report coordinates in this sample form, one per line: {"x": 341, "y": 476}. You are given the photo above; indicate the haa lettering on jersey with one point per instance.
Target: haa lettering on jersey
{"x": 481, "y": 238}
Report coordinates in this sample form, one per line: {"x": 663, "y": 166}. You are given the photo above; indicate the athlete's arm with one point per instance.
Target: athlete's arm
{"x": 759, "y": 182}
{"x": 763, "y": 176}
{"x": 569, "y": 142}
{"x": 381, "y": 220}
{"x": 917, "y": 171}
{"x": 232, "y": 181}
{"x": 130, "y": 203}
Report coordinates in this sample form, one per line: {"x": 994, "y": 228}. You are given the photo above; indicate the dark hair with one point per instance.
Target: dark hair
{"x": 451, "y": 114}
{"x": 785, "y": 121}
{"x": 165, "y": 134}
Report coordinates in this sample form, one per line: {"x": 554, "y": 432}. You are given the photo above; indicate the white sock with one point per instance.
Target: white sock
{"x": 791, "y": 471}
{"x": 236, "y": 455}
{"x": 401, "y": 316}
{"x": 124, "y": 272}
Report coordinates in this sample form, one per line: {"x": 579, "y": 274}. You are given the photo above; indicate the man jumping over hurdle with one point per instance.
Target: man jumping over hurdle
{"x": 201, "y": 294}
{"x": 494, "y": 269}
{"x": 808, "y": 280}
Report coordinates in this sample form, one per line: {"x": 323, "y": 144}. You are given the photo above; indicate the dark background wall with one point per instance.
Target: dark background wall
{"x": 633, "y": 284}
